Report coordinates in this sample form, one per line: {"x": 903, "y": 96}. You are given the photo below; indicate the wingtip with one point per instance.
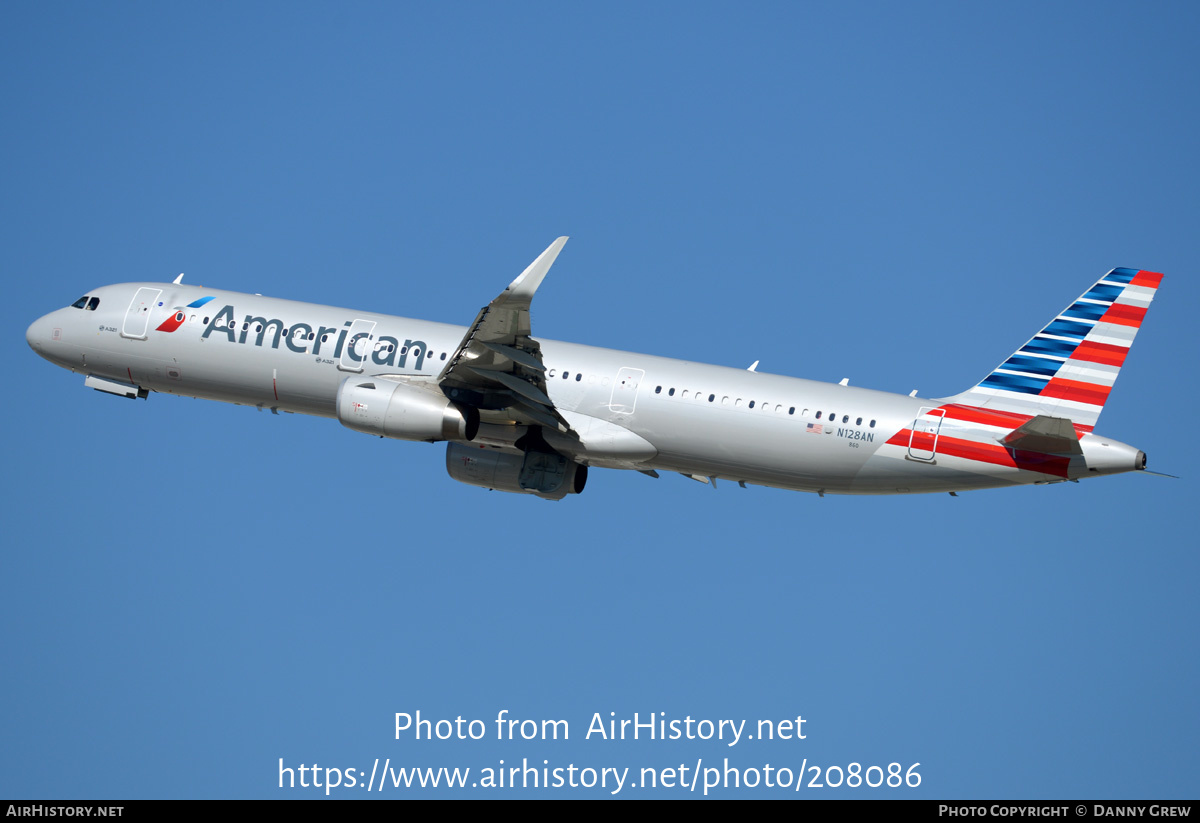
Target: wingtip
{"x": 529, "y": 280}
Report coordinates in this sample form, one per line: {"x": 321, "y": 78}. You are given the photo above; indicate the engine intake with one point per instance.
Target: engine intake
{"x": 404, "y": 411}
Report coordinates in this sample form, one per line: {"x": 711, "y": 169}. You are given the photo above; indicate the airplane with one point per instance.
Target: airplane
{"x": 526, "y": 415}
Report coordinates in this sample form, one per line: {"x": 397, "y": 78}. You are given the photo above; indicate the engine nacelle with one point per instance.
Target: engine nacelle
{"x": 545, "y": 474}
{"x": 404, "y": 411}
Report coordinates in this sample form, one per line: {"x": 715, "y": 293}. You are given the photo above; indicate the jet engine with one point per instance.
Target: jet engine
{"x": 404, "y": 411}
{"x": 547, "y": 474}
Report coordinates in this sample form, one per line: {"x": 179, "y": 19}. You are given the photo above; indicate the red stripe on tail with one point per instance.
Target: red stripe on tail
{"x": 985, "y": 453}
{"x": 1149, "y": 279}
{"x": 993, "y": 417}
{"x": 1104, "y": 353}
{"x": 1079, "y": 392}
{"x": 1124, "y": 314}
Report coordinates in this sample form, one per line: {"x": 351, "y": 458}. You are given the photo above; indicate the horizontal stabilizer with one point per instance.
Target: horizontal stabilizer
{"x": 1044, "y": 434}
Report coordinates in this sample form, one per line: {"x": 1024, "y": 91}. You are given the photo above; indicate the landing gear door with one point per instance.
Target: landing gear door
{"x": 359, "y": 342}
{"x": 137, "y": 316}
{"x": 625, "y": 390}
{"x": 922, "y": 443}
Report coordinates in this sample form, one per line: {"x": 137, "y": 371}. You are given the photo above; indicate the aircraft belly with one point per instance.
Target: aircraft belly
{"x": 308, "y": 388}
{"x": 600, "y": 442}
{"x": 217, "y": 373}
{"x": 771, "y": 451}
{"x": 892, "y": 470}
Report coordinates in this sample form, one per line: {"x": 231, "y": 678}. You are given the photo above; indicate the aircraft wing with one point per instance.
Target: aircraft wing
{"x": 498, "y": 365}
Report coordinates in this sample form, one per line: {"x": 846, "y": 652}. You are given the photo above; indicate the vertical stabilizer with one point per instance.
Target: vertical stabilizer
{"x": 1069, "y": 367}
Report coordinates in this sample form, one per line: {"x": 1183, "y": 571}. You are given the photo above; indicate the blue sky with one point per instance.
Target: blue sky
{"x": 900, "y": 194}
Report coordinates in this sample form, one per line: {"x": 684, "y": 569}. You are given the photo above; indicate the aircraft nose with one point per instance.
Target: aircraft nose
{"x": 38, "y": 334}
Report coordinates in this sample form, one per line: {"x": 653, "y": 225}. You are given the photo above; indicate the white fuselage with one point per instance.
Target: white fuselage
{"x": 635, "y": 411}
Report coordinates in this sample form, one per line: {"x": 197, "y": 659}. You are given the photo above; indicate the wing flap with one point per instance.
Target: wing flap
{"x": 521, "y": 387}
{"x": 547, "y": 417}
{"x": 521, "y": 356}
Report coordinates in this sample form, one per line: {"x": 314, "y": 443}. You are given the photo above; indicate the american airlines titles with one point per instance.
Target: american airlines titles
{"x": 388, "y": 351}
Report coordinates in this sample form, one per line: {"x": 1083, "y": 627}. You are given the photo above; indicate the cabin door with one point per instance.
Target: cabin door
{"x": 922, "y": 442}
{"x": 625, "y": 390}
{"x": 137, "y": 316}
{"x": 359, "y": 342}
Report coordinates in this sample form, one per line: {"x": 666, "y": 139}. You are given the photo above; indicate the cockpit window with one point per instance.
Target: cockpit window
{"x": 93, "y": 303}
{"x": 80, "y": 303}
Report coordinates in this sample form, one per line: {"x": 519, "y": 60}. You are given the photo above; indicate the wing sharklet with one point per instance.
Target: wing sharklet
{"x": 527, "y": 282}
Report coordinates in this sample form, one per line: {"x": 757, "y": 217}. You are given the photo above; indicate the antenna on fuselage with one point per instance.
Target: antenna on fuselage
{"x": 178, "y": 279}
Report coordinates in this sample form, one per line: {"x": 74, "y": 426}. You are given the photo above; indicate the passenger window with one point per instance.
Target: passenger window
{"x": 551, "y": 373}
{"x": 792, "y": 410}
{"x": 578, "y": 376}
{"x": 751, "y": 404}
{"x": 818, "y": 415}
{"x": 858, "y": 422}
{"x": 872, "y": 424}
{"x": 711, "y": 397}
{"x": 443, "y": 357}
{"x": 845, "y": 418}
{"x": 684, "y": 395}
{"x": 80, "y": 303}
{"x": 671, "y": 392}
{"x": 658, "y": 389}
{"x": 566, "y": 374}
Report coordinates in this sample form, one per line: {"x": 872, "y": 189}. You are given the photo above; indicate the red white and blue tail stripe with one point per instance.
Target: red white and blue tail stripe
{"x": 1069, "y": 367}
